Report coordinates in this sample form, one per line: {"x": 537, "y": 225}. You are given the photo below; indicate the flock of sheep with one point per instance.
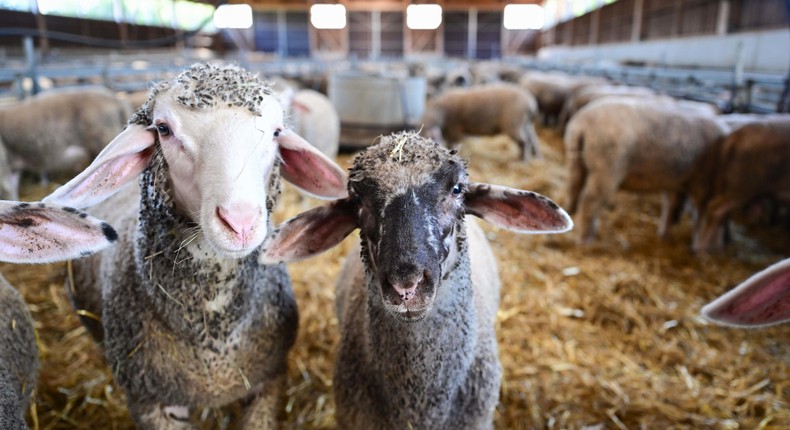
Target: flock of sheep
{"x": 192, "y": 302}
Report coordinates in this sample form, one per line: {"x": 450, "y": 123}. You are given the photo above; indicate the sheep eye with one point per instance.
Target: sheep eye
{"x": 163, "y": 129}
{"x": 457, "y": 189}
{"x": 356, "y": 199}
{"x": 277, "y": 132}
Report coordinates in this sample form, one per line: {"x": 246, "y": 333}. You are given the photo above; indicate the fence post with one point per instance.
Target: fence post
{"x": 30, "y": 62}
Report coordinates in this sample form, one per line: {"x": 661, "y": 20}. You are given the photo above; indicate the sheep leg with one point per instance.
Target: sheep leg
{"x": 577, "y": 174}
{"x": 594, "y": 195}
{"x": 528, "y": 141}
{"x": 264, "y": 407}
{"x": 160, "y": 417}
{"x": 671, "y": 208}
{"x": 711, "y": 231}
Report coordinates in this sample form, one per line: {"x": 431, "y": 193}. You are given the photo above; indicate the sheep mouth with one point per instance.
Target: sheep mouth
{"x": 233, "y": 250}
{"x": 413, "y": 310}
{"x": 414, "y": 315}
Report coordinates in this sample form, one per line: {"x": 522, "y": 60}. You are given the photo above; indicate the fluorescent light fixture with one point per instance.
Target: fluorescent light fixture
{"x": 423, "y": 16}
{"x": 328, "y": 16}
{"x": 233, "y": 16}
{"x": 524, "y": 17}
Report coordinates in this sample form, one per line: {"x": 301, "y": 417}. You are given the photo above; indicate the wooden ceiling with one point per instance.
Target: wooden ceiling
{"x": 383, "y": 5}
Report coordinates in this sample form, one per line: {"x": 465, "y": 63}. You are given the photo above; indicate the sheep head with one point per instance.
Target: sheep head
{"x": 408, "y": 196}
{"x": 220, "y": 131}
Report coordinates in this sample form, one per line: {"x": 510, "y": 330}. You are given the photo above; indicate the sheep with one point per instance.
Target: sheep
{"x": 584, "y": 95}
{"x": 552, "y": 89}
{"x": 622, "y": 143}
{"x": 19, "y": 364}
{"x": 761, "y": 300}
{"x": 417, "y": 300}
{"x": 314, "y": 118}
{"x": 483, "y": 110}
{"x": 34, "y": 233}
{"x": 59, "y": 131}
{"x": 188, "y": 316}
{"x": 750, "y": 164}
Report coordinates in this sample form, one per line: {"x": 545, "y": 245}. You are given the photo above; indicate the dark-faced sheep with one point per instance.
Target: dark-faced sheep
{"x": 189, "y": 317}
{"x": 34, "y": 233}
{"x": 633, "y": 145}
{"x": 752, "y": 163}
{"x": 483, "y": 111}
{"x": 417, "y": 303}
{"x": 60, "y": 131}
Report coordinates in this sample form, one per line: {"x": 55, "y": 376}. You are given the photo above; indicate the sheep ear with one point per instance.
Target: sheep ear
{"x": 309, "y": 169}
{"x": 119, "y": 163}
{"x": 37, "y": 233}
{"x": 763, "y": 299}
{"x": 516, "y": 210}
{"x": 310, "y": 233}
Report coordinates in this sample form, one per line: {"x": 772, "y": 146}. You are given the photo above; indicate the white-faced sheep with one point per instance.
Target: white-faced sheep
{"x": 60, "y": 131}
{"x": 34, "y": 233}
{"x": 638, "y": 146}
{"x": 189, "y": 317}
{"x": 751, "y": 163}
{"x": 484, "y": 110}
{"x": 417, "y": 306}
{"x": 761, "y": 300}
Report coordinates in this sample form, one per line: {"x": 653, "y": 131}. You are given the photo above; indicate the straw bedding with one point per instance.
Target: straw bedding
{"x": 605, "y": 336}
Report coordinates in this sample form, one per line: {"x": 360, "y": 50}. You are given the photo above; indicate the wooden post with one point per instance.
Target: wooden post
{"x": 471, "y": 36}
{"x": 636, "y": 28}
{"x": 723, "y": 21}
{"x": 783, "y": 106}
{"x": 282, "y": 34}
{"x": 595, "y": 21}
{"x": 375, "y": 34}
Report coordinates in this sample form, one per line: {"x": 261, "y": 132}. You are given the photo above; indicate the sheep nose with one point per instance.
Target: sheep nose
{"x": 239, "y": 217}
{"x": 406, "y": 289}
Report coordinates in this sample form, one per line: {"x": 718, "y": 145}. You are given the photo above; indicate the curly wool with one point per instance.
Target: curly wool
{"x": 394, "y": 151}
{"x": 203, "y": 86}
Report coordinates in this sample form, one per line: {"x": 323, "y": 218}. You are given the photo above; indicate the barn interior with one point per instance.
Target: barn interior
{"x": 593, "y": 334}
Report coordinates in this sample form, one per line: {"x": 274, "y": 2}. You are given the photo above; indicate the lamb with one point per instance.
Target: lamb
{"x": 484, "y": 110}
{"x": 761, "y": 300}
{"x": 189, "y": 318}
{"x": 417, "y": 308}
{"x": 59, "y": 131}
{"x": 619, "y": 143}
{"x": 34, "y": 233}
{"x": 750, "y": 164}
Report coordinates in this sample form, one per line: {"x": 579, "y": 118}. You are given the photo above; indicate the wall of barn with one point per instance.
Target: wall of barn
{"x": 753, "y": 34}
{"x": 373, "y": 31}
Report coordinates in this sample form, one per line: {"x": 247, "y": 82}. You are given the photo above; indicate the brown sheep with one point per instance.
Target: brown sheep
{"x": 621, "y": 143}
{"x": 60, "y": 131}
{"x": 753, "y": 162}
{"x": 483, "y": 111}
